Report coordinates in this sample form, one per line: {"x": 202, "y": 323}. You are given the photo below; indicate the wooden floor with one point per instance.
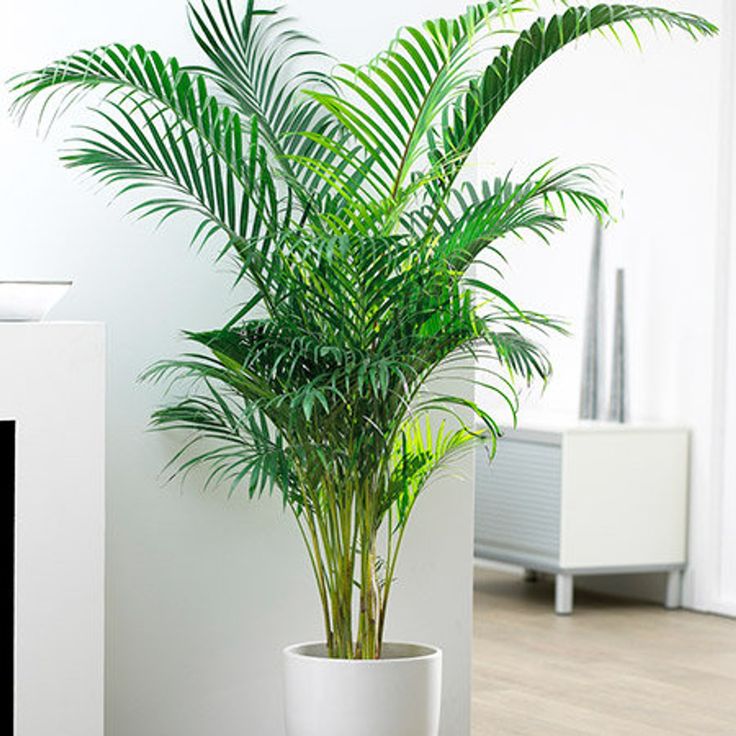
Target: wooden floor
{"x": 614, "y": 667}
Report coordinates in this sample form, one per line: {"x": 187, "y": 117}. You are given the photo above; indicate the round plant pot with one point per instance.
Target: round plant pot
{"x": 397, "y": 695}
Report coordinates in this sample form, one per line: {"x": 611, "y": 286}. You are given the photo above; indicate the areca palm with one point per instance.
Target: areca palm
{"x": 340, "y": 197}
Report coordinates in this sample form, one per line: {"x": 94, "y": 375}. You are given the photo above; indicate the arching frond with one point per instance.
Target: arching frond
{"x": 258, "y": 62}
{"x": 159, "y": 126}
{"x": 397, "y": 96}
{"x": 536, "y": 205}
{"x": 477, "y": 107}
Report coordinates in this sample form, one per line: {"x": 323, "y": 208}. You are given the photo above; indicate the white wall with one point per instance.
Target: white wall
{"x": 201, "y": 593}
{"x": 721, "y": 518}
{"x": 653, "y": 118}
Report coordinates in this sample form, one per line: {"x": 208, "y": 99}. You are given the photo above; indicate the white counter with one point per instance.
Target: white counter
{"x": 52, "y": 387}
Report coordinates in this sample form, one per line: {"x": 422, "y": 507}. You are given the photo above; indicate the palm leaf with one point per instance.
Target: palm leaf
{"x": 536, "y": 205}
{"x": 486, "y": 94}
{"x": 253, "y": 59}
{"x": 402, "y": 91}
{"x": 159, "y": 126}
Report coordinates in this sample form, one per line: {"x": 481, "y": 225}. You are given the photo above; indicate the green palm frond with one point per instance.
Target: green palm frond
{"x": 419, "y": 452}
{"x": 238, "y": 447}
{"x": 138, "y": 147}
{"x": 400, "y": 93}
{"x": 159, "y": 126}
{"x": 121, "y": 72}
{"x": 521, "y": 355}
{"x": 253, "y": 63}
{"x": 486, "y": 94}
{"x": 537, "y": 205}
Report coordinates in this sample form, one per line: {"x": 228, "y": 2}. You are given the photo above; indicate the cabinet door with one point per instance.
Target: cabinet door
{"x": 517, "y": 510}
{"x": 624, "y": 498}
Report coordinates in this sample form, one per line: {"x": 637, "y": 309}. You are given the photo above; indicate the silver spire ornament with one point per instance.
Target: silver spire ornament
{"x": 591, "y": 389}
{"x": 618, "y": 407}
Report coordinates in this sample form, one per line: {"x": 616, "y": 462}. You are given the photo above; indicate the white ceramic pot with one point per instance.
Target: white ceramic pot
{"x": 397, "y": 695}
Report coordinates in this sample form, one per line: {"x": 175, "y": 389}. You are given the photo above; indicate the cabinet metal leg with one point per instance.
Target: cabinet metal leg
{"x": 563, "y": 594}
{"x": 673, "y": 596}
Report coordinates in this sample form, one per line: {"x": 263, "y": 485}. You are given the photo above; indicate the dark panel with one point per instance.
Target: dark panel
{"x": 7, "y": 537}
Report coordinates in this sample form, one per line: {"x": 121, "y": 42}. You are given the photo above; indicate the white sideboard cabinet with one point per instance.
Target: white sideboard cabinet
{"x": 585, "y": 498}
{"x": 52, "y": 474}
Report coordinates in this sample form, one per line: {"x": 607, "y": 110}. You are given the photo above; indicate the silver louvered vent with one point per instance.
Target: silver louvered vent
{"x": 517, "y": 503}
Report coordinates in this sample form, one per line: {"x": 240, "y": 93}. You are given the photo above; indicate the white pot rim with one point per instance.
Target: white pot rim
{"x": 395, "y": 652}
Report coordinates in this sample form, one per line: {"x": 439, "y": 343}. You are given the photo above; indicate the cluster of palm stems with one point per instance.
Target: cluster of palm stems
{"x": 341, "y": 196}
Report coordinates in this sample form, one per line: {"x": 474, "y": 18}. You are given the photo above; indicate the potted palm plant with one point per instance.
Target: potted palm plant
{"x": 340, "y": 196}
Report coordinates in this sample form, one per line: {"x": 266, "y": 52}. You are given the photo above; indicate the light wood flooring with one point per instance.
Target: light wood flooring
{"x": 613, "y": 667}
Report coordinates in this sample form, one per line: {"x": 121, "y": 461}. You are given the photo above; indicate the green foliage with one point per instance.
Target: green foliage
{"x": 339, "y": 197}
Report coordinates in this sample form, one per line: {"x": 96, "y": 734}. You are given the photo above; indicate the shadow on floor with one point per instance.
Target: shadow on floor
{"x": 510, "y": 588}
